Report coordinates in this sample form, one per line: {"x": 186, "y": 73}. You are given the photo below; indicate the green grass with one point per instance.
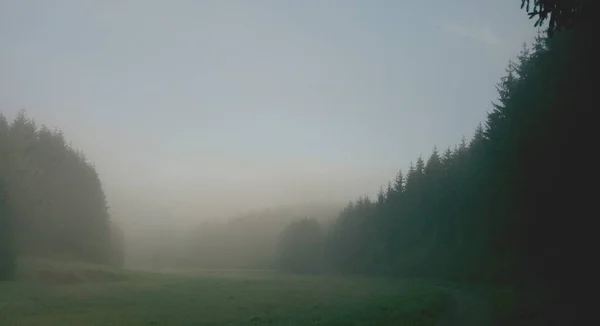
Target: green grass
{"x": 227, "y": 298}
{"x": 509, "y": 305}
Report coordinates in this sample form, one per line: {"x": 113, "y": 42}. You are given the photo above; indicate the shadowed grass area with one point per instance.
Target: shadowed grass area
{"x": 229, "y": 298}
{"x": 55, "y": 272}
{"x": 505, "y": 304}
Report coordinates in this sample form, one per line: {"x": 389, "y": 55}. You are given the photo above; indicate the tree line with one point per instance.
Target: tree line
{"x": 249, "y": 240}
{"x": 508, "y": 205}
{"x": 51, "y": 199}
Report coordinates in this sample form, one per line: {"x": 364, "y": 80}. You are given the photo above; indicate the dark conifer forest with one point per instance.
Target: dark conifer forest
{"x": 510, "y": 204}
{"x": 52, "y": 204}
{"x": 504, "y": 205}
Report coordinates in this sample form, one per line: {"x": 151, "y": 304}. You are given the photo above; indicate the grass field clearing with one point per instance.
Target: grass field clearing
{"x": 220, "y": 298}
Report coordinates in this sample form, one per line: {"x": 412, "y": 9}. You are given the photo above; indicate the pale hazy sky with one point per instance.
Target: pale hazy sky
{"x": 207, "y": 108}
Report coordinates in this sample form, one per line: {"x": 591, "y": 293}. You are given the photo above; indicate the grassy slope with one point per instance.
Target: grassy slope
{"x": 232, "y": 298}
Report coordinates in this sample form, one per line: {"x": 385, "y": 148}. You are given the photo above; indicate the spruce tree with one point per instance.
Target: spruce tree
{"x": 389, "y": 192}
{"x": 447, "y": 158}
{"x": 399, "y": 182}
{"x": 420, "y": 166}
{"x": 434, "y": 163}
{"x": 561, "y": 14}
{"x": 380, "y": 197}
{"x": 7, "y": 246}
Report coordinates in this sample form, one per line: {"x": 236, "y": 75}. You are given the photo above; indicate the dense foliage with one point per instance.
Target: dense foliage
{"x": 560, "y": 13}
{"x": 7, "y": 252}
{"x": 53, "y": 194}
{"x": 492, "y": 208}
{"x": 301, "y": 245}
{"x": 249, "y": 240}
{"x": 7, "y": 245}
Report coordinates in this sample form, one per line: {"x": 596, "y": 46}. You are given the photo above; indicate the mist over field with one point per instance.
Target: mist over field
{"x": 200, "y": 111}
{"x": 348, "y": 162}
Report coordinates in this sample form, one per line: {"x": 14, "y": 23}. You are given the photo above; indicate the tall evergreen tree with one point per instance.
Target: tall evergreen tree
{"x": 420, "y": 166}
{"x": 447, "y": 158}
{"x": 561, "y": 14}
{"x": 399, "y": 182}
{"x": 7, "y": 247}
{"x": 380, "y": 196}
{"x": 434, "y": 164}
{"x": 389, "y": 192}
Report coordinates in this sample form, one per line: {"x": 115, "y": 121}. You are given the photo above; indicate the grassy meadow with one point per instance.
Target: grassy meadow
{"x": 84, "y": 295}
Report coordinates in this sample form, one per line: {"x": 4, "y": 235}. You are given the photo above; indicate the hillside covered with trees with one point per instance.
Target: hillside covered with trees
{"x": 507, "y": 205}
{"x": 52, "y": 204}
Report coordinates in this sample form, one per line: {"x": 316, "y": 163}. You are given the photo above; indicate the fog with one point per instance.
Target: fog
{"x": 207, "y": 110}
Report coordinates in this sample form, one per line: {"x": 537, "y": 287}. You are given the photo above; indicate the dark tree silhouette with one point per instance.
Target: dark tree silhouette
{"x": 559, "y": 13}
{"x": 54, "y": 195}
{"x": 7, "y": 249}
{"x": 511, "y": 205}
{"x": 7, "y": 246}
{"x": 301, "y": 246}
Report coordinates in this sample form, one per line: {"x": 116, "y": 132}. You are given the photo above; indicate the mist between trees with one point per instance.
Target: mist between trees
{"x": 505, "y": 205}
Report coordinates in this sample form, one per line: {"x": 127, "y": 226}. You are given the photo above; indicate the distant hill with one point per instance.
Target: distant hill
{"x": 324, "y": 212}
